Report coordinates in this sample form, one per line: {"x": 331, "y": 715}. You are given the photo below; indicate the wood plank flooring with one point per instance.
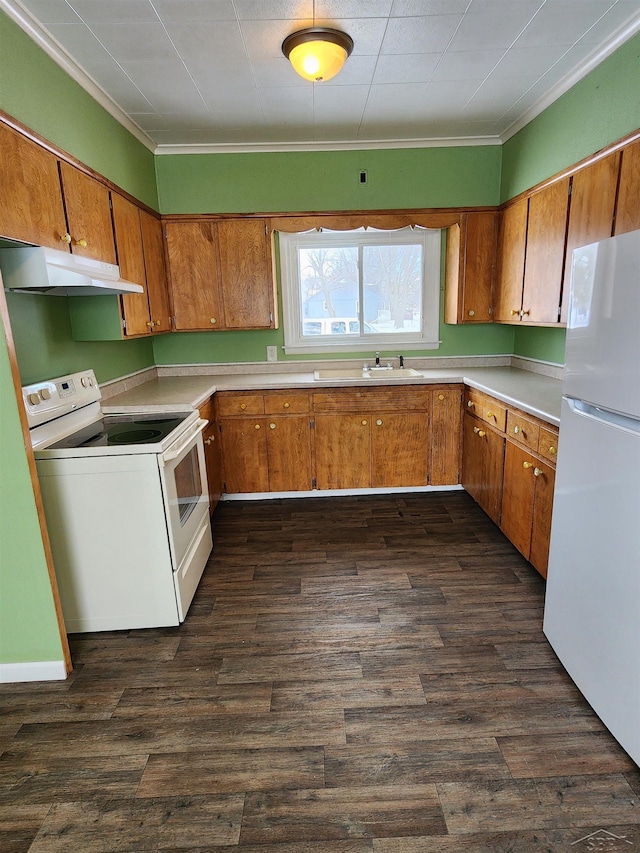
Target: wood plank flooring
{"x": 355, "y": 675}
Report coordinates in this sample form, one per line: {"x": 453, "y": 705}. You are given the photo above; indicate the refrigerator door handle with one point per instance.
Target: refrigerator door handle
{"x": 596, "y": 413}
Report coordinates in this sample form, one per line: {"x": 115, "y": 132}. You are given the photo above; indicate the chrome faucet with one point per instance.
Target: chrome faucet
{"x": 377, "y": 359}
{"x": 401, "y": 357}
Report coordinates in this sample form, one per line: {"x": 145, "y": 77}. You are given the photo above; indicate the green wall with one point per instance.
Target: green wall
{"x": 328, "y": 180}
{"x": 601, "y": 108}
{"x": 28, "y": 626}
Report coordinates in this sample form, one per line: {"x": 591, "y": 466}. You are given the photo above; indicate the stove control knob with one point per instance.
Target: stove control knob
{"x": 45, "y": 394}
{"x": 34, "y": 399}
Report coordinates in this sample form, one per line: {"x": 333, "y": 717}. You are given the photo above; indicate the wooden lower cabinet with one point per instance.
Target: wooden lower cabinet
{"x": 399, "y": 449}
{"x": 446, "y": 436}
{"x": 527, "y": 502}
{"x": 483, "y": 465}
{"x": 263, "y": 450}
{"x": 212, "y": 455}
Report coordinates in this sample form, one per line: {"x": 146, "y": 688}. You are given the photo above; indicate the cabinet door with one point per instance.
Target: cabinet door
{"x": 593, "y": 195}
{"x": 470, "y": 267}
{"x": 400, "y": 449}
{"x": 30, "y": 199}
{"x": 483, "y": 466}
{"x": 446, "y": 417}
{"x": 545, "y": 477}
{"x": 135, "y": 306}
{"x": 628, "y": 207}
{"x": 544, "y": 266}
{"x": 289, "y": 453}
{"x": 518, "y": 497}
{"x": 244, "y": 451}
{"x": 88, "y": 215}
{"x": 343, "y": 451}
{"x": 156, "y": 272}
{"x": 193, "y": 275}
{"x": 510, "y": 268}
{"x": 246, "y": 275}
{"x": 212, "y": 455}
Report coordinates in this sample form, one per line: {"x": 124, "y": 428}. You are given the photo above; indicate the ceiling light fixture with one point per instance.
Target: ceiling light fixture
{"x": 317, "y": 53}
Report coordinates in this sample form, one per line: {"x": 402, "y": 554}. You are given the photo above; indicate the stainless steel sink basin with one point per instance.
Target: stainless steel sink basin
{"x": 376, "y": 373}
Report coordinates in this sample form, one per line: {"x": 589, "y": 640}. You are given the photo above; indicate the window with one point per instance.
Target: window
{"x": 358, "y": 290}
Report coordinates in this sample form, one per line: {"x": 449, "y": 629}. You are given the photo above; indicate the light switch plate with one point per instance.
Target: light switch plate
{"x": 272, "y": 353}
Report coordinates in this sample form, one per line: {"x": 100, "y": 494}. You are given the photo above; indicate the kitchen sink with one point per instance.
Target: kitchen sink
{"x": 376, "y": 373}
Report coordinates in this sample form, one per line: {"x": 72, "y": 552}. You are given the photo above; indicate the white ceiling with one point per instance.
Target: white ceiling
{"x": 210, "y": 74}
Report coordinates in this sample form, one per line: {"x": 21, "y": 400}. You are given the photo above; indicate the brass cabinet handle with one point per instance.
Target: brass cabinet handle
{"x": 257, "y": 426}
{"x": 151, "y": 324}
{"x": 65, "y": 238}
{"x": 157, "y": 323}
{"x": 479, "y": 432}
{"x": 208, "y": 440}
{"x": 516, "y": 429}
{"x": 364, "y": 423}
{"x": 527, "y": 465}
{"x": 514, "y": 312}
{"x": 553, "y": 450}
{"x": 272, "y": 426}
{"x": 82, "y": 242}
{"x": 537, "y": 472}
{"x": 379, "y": 422}
{"x": 243, "y": 405}
{"x": 213, "y": 321}
{"x": 472, "y": 313}
{"x": 286, "y": 405}
{"x": 440, "y": 396}
{"x": 470, "y": 404}
{"x": 525, "y": 313}
{"x": 490, "y": 415}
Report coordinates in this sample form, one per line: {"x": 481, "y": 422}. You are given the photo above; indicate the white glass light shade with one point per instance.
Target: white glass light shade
{"x": 317, "y": 54}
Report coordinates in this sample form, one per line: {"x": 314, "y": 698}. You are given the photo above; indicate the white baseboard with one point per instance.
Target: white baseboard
{"x": 44, "y": 670}
{"x": 341, "y": 493}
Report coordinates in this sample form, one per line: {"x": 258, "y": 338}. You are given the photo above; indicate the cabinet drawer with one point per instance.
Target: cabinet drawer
{"x": 373, "y": 400}
{"x": 486, "y": 408}
{"x": 548, "y": 444}
{"x": 523, "y": 430}
{"x": 240, "y": 404}
{"x": 286, "y": 404}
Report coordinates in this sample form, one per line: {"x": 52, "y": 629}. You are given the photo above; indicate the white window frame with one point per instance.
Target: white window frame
{"x": 427, "y": 337}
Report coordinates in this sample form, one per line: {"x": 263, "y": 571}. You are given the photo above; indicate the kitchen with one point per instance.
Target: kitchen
{"x": 412, "y": 179}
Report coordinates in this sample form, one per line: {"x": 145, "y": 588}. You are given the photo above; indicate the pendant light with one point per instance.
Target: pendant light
{"x": 317, "y": 53}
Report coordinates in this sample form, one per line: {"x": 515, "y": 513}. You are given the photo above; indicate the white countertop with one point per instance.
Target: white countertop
{"x": 531, "y": 392}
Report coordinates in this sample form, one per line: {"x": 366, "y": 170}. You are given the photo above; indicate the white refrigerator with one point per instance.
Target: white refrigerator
{"x": 592, "y": 605}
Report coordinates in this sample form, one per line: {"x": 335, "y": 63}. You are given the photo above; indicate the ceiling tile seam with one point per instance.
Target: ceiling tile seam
{"x": 432, "y": 73}
{"x": 179, "y": 55}
{"x": 537, "y": 12}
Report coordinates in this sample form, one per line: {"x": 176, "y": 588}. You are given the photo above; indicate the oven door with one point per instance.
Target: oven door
{"x": 187, "y": 508}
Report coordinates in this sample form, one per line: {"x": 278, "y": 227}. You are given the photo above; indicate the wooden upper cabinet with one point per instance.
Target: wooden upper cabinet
{"x": 193, "y": 274}
{"x": 155, "y": 272}
{"x": 30, "y": 199}
{"x": 512, "y": 239}
{"x": 470, "y": 268}
{"x": 246, "y": 274}
{"x": 135, "y": 306}
{"x": 593, "y": 197}
{"x": 544, "y": 266}
{"x": 628, "y": 207}
{"x": 88, "y": 215}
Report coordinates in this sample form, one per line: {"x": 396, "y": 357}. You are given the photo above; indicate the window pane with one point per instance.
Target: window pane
{"x": 329, "y": 300}
{"x": 392, "y": 288}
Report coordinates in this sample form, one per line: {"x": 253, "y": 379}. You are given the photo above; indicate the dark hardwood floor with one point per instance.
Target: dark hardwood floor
{"x": 356, "y": 675}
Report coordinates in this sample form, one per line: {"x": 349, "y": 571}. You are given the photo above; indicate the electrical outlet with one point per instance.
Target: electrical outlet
{"x": 272, "y": 353}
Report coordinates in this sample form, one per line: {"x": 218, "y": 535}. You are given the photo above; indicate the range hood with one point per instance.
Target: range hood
{"x": 35, "y": 269}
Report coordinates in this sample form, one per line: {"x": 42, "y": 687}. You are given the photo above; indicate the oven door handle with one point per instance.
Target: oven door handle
{"x": 175, "y": 450}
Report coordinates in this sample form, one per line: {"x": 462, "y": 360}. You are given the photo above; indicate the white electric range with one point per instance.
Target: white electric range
{"x": 126, "y": 504}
